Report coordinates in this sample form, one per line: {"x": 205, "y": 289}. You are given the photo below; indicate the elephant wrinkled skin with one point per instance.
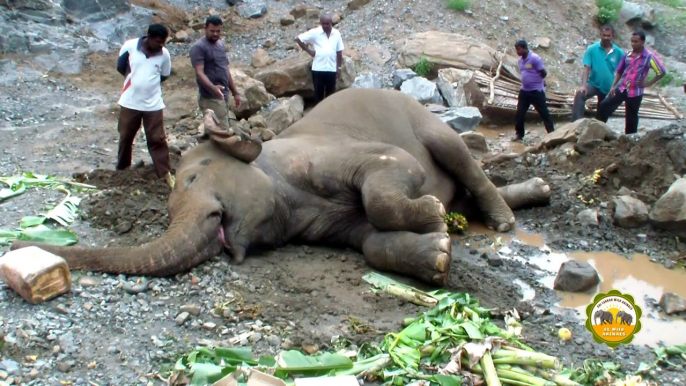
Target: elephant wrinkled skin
{"x": 369, "y": 169}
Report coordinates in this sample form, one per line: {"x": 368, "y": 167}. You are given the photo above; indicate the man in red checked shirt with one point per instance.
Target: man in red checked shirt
{"x": 631, "y": 75}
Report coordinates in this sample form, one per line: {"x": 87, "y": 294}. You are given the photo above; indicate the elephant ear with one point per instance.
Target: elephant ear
{"x": 238, "y": 145}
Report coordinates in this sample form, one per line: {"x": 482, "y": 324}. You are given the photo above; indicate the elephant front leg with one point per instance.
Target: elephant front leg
{"x": 388, "y": 206}
{"x": 425, "y": 257}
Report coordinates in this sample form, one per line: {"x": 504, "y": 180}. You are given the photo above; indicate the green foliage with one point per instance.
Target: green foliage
{"x": 456, "y": 222}
{"x": 608, "y": 10}
{"x": 423, "y": 67}
{"x": 668, "y": 80}
{"x": 459, "y": 5}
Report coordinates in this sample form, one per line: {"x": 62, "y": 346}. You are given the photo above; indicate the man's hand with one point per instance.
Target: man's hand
{"x": 582, "y": 91}
{"x": 642, "y": 84}
{"x": 311, "y": 52}
{"x": 217, "y": 90}
{"x": 338, "y": 73}
{"x": 237, "y": 98}
{"x": 612, "y": 92}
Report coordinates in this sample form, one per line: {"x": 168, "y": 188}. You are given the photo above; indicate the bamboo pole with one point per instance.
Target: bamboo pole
{"x": 497, "y": 75}
{"x": 670, "y": 108}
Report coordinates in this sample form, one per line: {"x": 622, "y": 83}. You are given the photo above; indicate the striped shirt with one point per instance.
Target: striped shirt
{"x": 635, "y": 68}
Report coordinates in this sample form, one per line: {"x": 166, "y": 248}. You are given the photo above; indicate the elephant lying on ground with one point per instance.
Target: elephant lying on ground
{"x": 369, "y": 169}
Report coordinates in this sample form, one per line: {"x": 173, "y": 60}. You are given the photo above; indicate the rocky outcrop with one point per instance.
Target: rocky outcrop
{"x": 476, "y": 142}
{"x": 637, "y": 15}
{"x": 254, "y": 95}
{"x": 367, "y": 81}
{"x": 251, "y": 9}
{"x": 669, "y": 212}
{"x": 294, "y": 76}
{"x": 422, "y": 90}
{"x": 446, "y": 50}
{"x": 401, "y": 75}
{"x": 261, "y": 58}
{"x": 91, "y": 11}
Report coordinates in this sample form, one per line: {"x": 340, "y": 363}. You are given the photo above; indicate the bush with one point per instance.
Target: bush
{"x": 608, "y": 10}
{"x": 423, "y": 67}
{"x": 458, "y": 5}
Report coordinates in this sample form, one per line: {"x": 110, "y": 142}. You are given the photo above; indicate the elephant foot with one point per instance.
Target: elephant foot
{"x": 425, "y": 257}
{"x": 532, "y": 192}
{"x": 431, "y": 216}
{"x": 496, "y": 213}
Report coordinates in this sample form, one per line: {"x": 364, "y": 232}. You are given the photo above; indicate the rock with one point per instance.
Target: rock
{"x": 286, "y": 112}
{"x": 193, "y": 309}
{"x": 254, "y": 95}
{"x": 287, "y": 20}
{"x": 299, "y": 11}
{"x": 422, "y": 90}
{"x": 451, "y": 50}
{"x": 92, "y": 11}
{"x": 336, "y": 18}
{"x": 588, "y": 217}
{"x": 10, "y": 366}
{"x": 494, "y": 260}
{"x": 637, "y": 15}
{"x": 357, "y": 4}
{"x": 629, "y": 212}
{"x": 268, "y": 134}
{"x": 257, "y": 121}
{"x": 401, "y": 75}
{"x": 582, "y": 130}
{"x": 476, "y": 142}
{"x": 182, "y": 36}
{"x": 672, "y": 303}
{"x": 457, "y": 86}
{"x": 677, "y": 153}
{"x": 88, "y": 281}
{"x": 367, "y": 81}
{"x": 269, "y": 43}
{"x": 541, "y": 42}
{"x": 294, "y": 76}
{"x": 576, "y": 276}
{"x": 251, "y": 10}
{"x": 260, "y": 58}
{"x": 669, "y": 211}
{"x": 182, "y": 318}
{"x": 462, "y": 119}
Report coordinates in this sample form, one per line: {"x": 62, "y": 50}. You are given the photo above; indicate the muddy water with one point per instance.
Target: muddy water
{"x": 492, "y": 132}
{"x": 638, "y": 276}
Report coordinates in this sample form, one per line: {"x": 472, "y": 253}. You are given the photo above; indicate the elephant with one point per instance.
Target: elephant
{"x": 605, "y": 317}
{"x": 624, "y": 317}
{"x": 369, "y": 169}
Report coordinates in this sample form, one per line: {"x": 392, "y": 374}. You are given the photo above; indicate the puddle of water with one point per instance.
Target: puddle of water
{"x": 494, "y": 133}
{"x": 637, "y": 276}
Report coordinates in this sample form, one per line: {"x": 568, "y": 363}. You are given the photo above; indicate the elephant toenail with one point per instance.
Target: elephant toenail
{"x": 503, "y": 227}
{"x": 444, "y": 244}
{"x": 441, "y": 278}
{"x": 442, "y": 262}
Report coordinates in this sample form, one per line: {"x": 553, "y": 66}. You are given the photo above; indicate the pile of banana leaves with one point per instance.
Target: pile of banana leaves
{"x": 452, "y": 343}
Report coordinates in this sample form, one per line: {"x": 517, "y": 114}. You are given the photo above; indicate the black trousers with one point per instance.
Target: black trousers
{"x": 324, "y": 84}
{"x": 536, "y": 98}
{"x": 610, "y": 105}
{"x": 579, "y": 107}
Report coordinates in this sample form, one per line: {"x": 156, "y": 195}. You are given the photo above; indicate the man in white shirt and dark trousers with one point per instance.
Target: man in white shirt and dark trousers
{"x": 328, "y": 56}
{"x": 146, "y": 64}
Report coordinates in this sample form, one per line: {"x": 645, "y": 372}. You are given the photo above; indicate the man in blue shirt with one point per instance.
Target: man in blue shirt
{"x": 600, "y": 61}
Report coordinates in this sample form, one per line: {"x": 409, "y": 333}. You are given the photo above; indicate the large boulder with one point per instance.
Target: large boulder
{"x": 284, "y": 112}
{"x": 457, "y": 86}
{"x": 422, "y": 89}
{"x": 294, "y": 76}
{"x": 91, "y": 11}
{"x": 462, "y": 119}
{"x": 254, "y": 95}
{"x": 401, "y": 75}
{"x": 629, "y": 212}
{"x": 251, "y": 9}
{"x": 476, "y": 142}
{"x": 637, "y": 15}
{"x": 669, "y": 212}
{"x": 580, "y": 131}
{"x": 672, "y": 303}
{"x": 446, "y": 50}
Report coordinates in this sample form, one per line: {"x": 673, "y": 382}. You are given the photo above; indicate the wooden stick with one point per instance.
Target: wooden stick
{"x": 670, "y": 108}
{"x": 497, "y": 75}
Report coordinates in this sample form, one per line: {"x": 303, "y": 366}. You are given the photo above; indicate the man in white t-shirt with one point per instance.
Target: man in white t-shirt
{"x": 146, "y": 64}
{"x": 328, "y": 56}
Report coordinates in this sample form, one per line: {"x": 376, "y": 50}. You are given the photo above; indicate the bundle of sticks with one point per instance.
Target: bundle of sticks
{"x": 501, "y": 90}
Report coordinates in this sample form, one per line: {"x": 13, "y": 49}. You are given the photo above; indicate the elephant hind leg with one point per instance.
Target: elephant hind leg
{"x": 388, "y": 196}
{"x": 451, "y": 153}
{"x": 425, "y": 257}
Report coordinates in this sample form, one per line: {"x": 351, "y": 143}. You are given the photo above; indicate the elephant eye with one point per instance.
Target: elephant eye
{"x": 191, "y": 179}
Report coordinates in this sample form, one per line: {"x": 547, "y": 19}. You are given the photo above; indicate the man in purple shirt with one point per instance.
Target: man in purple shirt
{"x": 631, "y": 75}
{"x": 532, "y": 91}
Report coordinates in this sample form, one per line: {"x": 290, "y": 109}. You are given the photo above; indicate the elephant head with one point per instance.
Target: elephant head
{"x": 220, "y": 198}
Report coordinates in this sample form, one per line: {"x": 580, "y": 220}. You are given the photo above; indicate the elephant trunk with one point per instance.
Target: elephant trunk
{"x": 192, "y": 238}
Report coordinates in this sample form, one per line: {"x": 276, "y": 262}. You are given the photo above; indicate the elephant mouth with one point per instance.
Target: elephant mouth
{"x": 222, "y": 238}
